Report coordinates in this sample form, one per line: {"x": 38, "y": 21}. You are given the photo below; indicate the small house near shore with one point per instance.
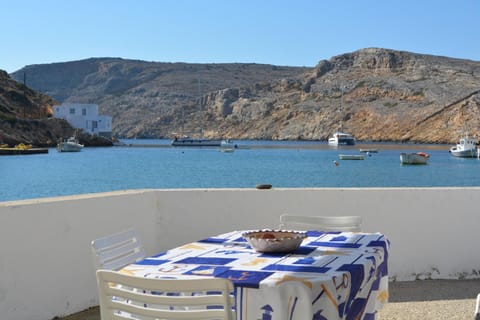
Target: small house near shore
{"x": 85, "y": 117}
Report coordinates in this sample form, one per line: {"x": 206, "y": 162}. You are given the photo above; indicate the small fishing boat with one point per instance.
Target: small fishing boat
{"x": 414, "y": 158}
{"x": 465, "y": 148}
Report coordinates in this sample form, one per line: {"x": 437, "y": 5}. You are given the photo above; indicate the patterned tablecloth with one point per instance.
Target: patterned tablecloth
{"x": 330, "y": 276}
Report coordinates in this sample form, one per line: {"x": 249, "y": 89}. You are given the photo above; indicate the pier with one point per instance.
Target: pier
{"x": 19, "y": 151}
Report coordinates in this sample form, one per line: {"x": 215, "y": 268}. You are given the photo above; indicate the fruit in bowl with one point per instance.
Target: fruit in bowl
{"x": 268, "y": 235}
{"x": 269, "y": 240}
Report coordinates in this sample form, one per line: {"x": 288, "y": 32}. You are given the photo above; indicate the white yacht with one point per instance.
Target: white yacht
{"x": 69, "y": 145}
{"x": 341, "y": 139}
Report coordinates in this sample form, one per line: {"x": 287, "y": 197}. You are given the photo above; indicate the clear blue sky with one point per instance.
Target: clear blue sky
{"x": 280, "y": 32}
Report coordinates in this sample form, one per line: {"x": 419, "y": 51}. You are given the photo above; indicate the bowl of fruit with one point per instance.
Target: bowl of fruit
{"x": 269, "y": 240}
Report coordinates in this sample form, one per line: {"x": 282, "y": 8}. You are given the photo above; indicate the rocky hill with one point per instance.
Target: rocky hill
{"x": 375, "y": 94}
{"x": 26, "y": 117}
{"x": 138, "y": 93}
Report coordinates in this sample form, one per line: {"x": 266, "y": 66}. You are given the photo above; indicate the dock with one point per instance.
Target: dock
{"x": 19, "y": 151}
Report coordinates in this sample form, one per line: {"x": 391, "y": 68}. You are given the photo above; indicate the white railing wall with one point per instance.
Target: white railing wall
{"x": 46, "y": 268}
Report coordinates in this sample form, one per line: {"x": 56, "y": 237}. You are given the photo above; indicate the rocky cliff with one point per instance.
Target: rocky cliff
{"x": 26, "y": 117}
{"x": 138, "y": 93}
{"x": 375, "y": 94}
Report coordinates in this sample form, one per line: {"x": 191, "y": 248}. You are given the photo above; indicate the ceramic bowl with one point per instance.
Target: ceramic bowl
{"x": 268, "y": 240}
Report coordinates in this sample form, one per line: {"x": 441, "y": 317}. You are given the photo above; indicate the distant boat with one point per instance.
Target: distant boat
{"x": 465, "y": 148}
{"x": 351, "y": 156}
{"x": 227, "y": 145}
{"x": 69, "y": 145}
{"x": 195, "y": 142}
{"x": 186, "y": 141}
{"x": 414, "y": 158}
{"x": 341, "y": 139}
{"x": 369, "y": 150}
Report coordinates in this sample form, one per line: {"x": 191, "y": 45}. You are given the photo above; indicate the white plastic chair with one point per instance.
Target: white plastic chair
{"x": 115, "y": 251}
{"x": 321, "y": 223}
{"x": 142, "y": 298}
{"x": 477, "y": 308}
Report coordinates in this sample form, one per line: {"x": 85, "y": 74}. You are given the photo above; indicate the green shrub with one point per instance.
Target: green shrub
{"x": 390, "y": 104}
{"x": 360, "y": 84}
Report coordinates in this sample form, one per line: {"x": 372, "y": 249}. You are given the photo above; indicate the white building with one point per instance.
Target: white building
{"x": 85, "y": 117}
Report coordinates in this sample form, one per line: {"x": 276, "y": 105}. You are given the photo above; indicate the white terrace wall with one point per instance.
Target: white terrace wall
{"x": 46, "y": 268}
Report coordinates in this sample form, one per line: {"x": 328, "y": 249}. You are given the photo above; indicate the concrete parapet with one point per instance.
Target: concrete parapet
{"x": 46, "y": 268}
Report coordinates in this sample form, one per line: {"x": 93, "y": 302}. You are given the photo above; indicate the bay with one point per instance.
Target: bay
{"x": 283, "y": 164}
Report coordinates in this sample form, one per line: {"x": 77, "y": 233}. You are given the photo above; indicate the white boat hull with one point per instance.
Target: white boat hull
{"x": 412, "y": 158}
{"x": 470, "y": 153}
{"x": 341, "y": 139}
{"x": 69, "y": 145}
{"x": 465, "y": 148}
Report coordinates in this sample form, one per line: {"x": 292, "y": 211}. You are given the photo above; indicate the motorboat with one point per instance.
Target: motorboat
{"x": 69, "y": 145}
{"x": 227, "y": 145}
{"x": 351, "y": 157}
{"x": 369, "y": 150}
{"x": 341, "y": 139}
{"x": 465, "y": 148}
{"x": 414, "y": 158}
{"x": 195, "y": 142}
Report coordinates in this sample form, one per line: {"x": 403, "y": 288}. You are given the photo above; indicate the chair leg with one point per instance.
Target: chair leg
{"x": 477, "y": 307}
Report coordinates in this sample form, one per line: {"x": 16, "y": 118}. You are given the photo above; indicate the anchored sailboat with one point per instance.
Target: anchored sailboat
{"x": 186, "y": 141}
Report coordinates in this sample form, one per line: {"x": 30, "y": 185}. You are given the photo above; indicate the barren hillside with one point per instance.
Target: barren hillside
{"x": 375, "y": 94}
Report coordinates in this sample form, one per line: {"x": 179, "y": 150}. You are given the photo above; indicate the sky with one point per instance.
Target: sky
{"x": 278, "y": 32}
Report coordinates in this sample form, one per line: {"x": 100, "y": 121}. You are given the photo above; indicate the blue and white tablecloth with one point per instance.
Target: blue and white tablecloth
{"x": 331, "y": 275}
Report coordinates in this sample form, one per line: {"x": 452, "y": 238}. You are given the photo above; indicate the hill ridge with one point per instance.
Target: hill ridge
{"x": 374, "y": 93}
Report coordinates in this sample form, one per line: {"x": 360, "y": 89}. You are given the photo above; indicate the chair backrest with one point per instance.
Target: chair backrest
{"x": 115, "y": 251}
{"x": 153, "y": 298}
{"x": 321, "y": 223}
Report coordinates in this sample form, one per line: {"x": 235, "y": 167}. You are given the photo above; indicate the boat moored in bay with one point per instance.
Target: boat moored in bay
{"x": 465, "y": 148}
{"x": 195, "y": 142}
{"x": 414, "y": 158}
{"x": 341, "y": 139}
{"x": 69, "y": 145}
{"x": 227, "y": 145}
{"x": 351, "y": 157}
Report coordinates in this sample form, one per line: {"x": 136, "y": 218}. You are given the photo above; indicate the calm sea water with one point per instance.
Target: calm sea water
{"x": 281, "y": 164}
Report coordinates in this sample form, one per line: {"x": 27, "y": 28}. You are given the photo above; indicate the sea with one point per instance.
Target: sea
{"x": 143, "y": 163}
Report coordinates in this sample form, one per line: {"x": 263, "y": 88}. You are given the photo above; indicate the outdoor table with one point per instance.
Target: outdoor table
{"x": 332, "y": 275}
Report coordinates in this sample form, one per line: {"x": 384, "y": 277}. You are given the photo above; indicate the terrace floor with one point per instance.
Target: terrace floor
{"x": 415, "y": 300}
